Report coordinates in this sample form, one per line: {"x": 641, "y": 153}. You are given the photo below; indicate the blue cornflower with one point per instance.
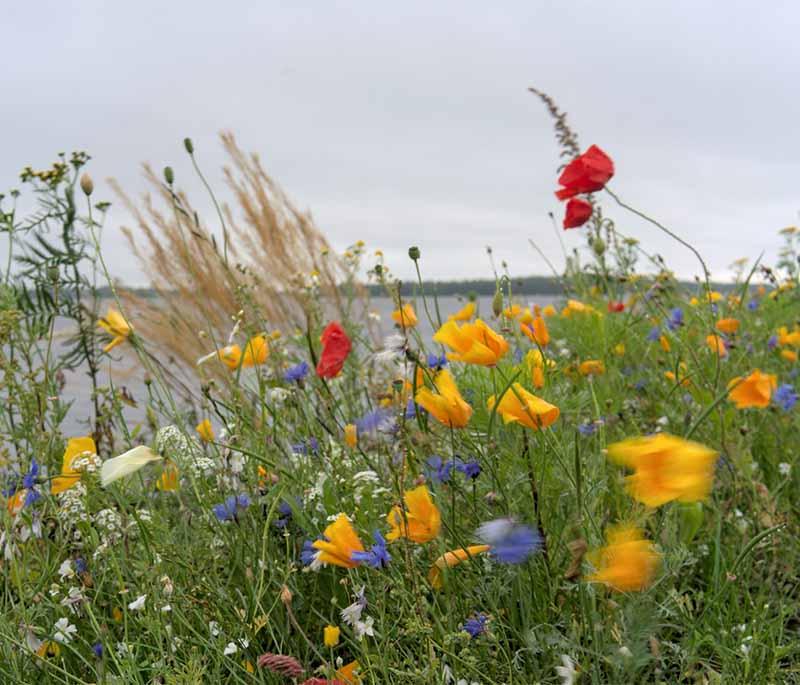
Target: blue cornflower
{"x": 640, "y": 384}
{"x": 476, "y": 625}
{"x": 412, "y": 408}
{"x": 377, "y": 556}
{"x": 437, "y": 361}
{"x": 439, "y": 470}
{"x": 714, "y": 309}
{"x": 752, "y": 305}
{"x": 510, "y": 542}
{"x": 31, "y": 497}
{"x": 306, "y": 446}
{"x": 29, "y": 479}
{"x": 376, "y": 421}
{"x": 587, "y": 429}
{"x": 772, "y": 343}
{"x": 471, "y": 469}
{"x": 675, "y": 319}
{"x": 296, "y": 373}
{"x": 785, "y": 396}
{"x": 230, "y": 507}
{"x": 80, "y": 565}
{"x": 654, "y": 334}
{"x": 309, "y": 554}
{"x": 97, "y": 648}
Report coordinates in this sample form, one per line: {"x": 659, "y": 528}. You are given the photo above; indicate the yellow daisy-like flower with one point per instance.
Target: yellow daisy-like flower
{"x": 666, "y": 468}
{"x": 116, "y": 326}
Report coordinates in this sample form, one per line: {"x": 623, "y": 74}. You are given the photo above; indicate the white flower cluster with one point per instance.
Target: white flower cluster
{"x": 72, "y": 508}
{"x": 86, "y": 462}
{"x": 109, "y": 524}
{"x": 203, "y": 467}
{"x": 173, "y": 443}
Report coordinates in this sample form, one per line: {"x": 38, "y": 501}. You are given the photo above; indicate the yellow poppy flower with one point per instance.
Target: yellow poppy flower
{"x": 786, "y": 338}
{"x": 331, "y": 636}
{"x": 256, "y": 353}
{"x": 465, "y": 313}
{"x": 450, "y": 559}
{"x": 473, "y": 343}
{"x": 169, "y": 479}
{"x": 537, "y": 331}
{"x": 664, "y": 342}
{"x": 592, "y": 367}
{"x": 116, "y": 326}
{"x": 536, "y": 364}
{"x": 76, "y": 447}
{"x": 549, "y": 310}
{"x": 347, "y": 674}
{"x": 341, "y": 540}
{"x": 789, "y": 355}
{"x": 577, "y": 307}
{"x": 628, "y": 562}
{"x": 351, "y": 435}
{"x": 422, "y": 519}
{"x": 445, "y": 404}
{"x": 666, "y": 468}
{"x": 717, "y": 345}
{"x": 205, "y": 430}
{"x": 728, "y": 326}
{"x": 753, "y": 391}
{"x": 512, "y": 312}
{"x": 405, "y": 317}
{"x": 520, "y": 406}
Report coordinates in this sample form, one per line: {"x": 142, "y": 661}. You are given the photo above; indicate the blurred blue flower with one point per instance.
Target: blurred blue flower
{"x": 377, "y": 556}
{"x": 309, "y": 554}
{"x": 29, "y": 479}
{"x": 587, "y": 429}
{"x": 772, "y": 343}
{"x": 296, "y": 373}
{"x": 510, "y": 542}
{"x": 412, "y": 408}
{"x": 476, "y": 625}
{"x": 304, "y": 447}
{"x": 437, "y": 361}
{"x": 97, "y": 648}
{"x": 752, "y": 305}
{"x": 675, "y": 319}
{"x": 230, "y": 507}
{"x": 785, "y": 397}
{"x": 439, "y": 470}
{"x": 377, "y": 421}
{"x": 80, "y": 565}
{"x": 471, "y": 469}
{"x": 654, "y": 334}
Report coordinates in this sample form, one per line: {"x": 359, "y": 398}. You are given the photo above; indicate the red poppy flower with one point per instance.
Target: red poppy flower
{"x": 335, "y": 348}
{"x": 616, "y": 307}
{"x": 577, "y": 214}
{"x": 586, "y": 173}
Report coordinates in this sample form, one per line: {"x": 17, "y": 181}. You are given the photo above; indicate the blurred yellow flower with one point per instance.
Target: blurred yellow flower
{"x": 473, "y": 343}
{"x": 205, "y": 430}
{"x": 116, "y": 326}
{"x": 577, "y": 307}
{"x": 664, "y": 342}
{"x": 619, "y": 349}
{"x": 341, "y": 540}
{"x": 789, "y": 355}
{"x": 716, "y": 345}
{"x": 450, "y": 559}
{"x": 728, "y": 326}
{"x": 786, "y": 338}
{"x": 445, "y": 404}
{"x": 256, "y": 353}
{"x": 351, "y": 435}
{"x": 422, "y": 520}
{"x": 549, "y": 310}
{"x": 405, "y": 317}
{"x": 536, "y": 363}
{"x": 76, "y": 447}
{"x": 512, "y": 312}
{"x": 753, "y": 391}
{"x": 666, "y": 468}
{"x": 168, "y": 481}
{"x": 331, "y": 636}
{"x": 628, "y": 562}
{"x": 520, "y": 406}
{"x": 536, "y": 331}
{"x": 347, "y": 674}
{"x": 465, "y": 313}
{"x": 592, "y": 367}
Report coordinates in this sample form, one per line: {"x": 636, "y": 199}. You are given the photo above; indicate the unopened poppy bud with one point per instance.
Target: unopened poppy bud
{"x": 599, "y": 246}
{"x": 189, "y": 145}
{"x": 87, "y": 186}
{"x": 169, "y": 176}
{"x": 497, "y": 303}
{"x": 52, "y": 273}
{"x": 378, "y": 269}
{"x": 413, "y": 252}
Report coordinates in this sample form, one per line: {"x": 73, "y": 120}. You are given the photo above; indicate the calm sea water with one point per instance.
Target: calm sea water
{"x": 130, "y": 376}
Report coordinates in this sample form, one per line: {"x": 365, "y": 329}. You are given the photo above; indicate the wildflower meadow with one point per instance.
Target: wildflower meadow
{"x": 600, "y": 488}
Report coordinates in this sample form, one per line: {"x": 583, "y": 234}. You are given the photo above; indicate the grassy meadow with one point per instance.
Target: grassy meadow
{"x": 603, "y": 491}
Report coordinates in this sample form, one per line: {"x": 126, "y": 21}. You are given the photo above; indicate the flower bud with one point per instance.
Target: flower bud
{"x": 413, "y": 252}
{"x": 189, "y": 145}
{"x": 286, "y": 595}
{"x": 599, "y": 246}
{"x": 87, "y": 186}
{"x": 169, "y": 176}
{"x": 497, "y": 303}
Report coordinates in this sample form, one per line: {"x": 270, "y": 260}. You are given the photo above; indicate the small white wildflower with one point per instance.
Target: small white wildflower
{"x": 624, "y": 651}
{"x": 122, "y": 650}
{"x": 166, "y": 609}
{"x": 138, "y": 603}
{"x": 362, "y": 628}
{"x": 213, "y": 628}
{"x": 230, "y": 648}
{"x": 567, "y": 672}
{"x": 63, "y": 631}
{"x": 784, "y": 469}
{"x": 277, "y": 395}
{"x": 66, "y": 570}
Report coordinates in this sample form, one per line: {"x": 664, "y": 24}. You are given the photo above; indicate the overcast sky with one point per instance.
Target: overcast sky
{"x": 410, "y": 123}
